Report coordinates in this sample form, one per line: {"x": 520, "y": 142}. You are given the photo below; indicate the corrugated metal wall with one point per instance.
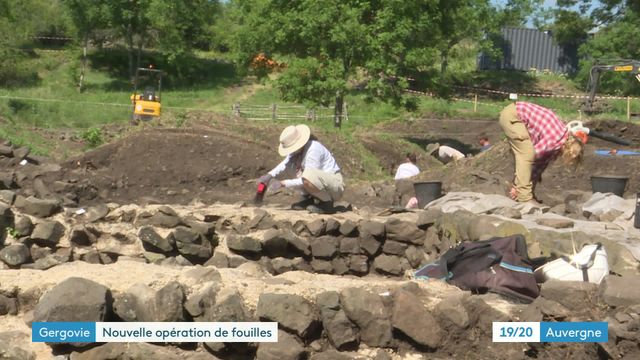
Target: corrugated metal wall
{"x": 524, "y": 49}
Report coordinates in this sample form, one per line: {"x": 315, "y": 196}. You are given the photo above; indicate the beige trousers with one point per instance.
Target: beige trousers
{"x": 331, "y": 186}
{"x": 523, "y": 151}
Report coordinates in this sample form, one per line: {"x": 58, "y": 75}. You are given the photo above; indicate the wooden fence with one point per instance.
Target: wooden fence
{"x": 286, "y": 112}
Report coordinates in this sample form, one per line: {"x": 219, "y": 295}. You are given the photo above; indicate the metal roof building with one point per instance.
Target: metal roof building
{"x": 527, "y": 49}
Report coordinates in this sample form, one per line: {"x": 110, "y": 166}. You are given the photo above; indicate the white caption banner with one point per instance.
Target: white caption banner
{"x": 187, "y": 332}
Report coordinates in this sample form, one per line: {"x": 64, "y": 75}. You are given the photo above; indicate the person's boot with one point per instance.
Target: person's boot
{"x": 302, "y": 203}
{"x": 322, "y": 207}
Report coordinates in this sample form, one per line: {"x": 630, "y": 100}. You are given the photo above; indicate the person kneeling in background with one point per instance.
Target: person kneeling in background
{"x": 445, "y": 154}
{"x": 484, "y": 144}
{"x": 405, "y": 171}
{"x": 318, "y": 176}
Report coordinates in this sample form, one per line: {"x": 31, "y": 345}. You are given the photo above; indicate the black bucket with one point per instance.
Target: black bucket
{"x": 427, "y": 191}
{"x": 609, "y": 184}
{"x": 636, "y": 221}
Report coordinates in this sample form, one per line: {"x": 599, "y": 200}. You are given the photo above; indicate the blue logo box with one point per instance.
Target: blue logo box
{"x": 574, "y": 332}
{"x": 66, "y": 332}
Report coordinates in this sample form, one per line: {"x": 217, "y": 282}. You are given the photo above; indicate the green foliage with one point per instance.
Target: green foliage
{"x": 514, "y": 13}
{"x": 12, "y": 71}
{"x": 309, "y": 80}
{"x": 571, "y": 28}
{"x": 615, "y": 41}
{"x": 181, "y": 118}
{"x": 13, "y": 232}
{"x": 87, "y": 17}
{"x": 329, "y": 42}
{"x": 180, "y": 24}
{"x": 93, "y": 137}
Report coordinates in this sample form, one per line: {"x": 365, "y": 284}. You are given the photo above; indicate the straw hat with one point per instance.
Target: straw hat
{"x": 293, "y": 138}
{"x": 431, "y": 148}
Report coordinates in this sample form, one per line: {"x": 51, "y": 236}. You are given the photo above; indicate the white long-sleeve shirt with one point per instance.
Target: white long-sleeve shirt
{"x": 406, "y": 170}
{"x": 314, "y": 156}
{"x": 446, "y": 154}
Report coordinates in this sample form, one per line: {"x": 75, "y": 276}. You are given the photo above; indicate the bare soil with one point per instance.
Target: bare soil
{"x": 219, "y": 160}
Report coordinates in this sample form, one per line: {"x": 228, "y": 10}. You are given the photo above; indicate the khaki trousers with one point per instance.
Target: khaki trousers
{"x": 331, "y": 186}
{"x": 523, "y": 151}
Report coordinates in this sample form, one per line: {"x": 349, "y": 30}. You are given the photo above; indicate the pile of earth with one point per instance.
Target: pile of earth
{"x": 490, "y": 171}
{"x": 219, "y": 160}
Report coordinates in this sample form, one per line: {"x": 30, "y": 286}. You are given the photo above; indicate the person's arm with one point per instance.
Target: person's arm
{"x": 280, "y": 167}
{"x": 292, "y": 182}
{"x": 397, "y": 176}
{"x": 539, "y": 165}
{"x": 312, "y": 160}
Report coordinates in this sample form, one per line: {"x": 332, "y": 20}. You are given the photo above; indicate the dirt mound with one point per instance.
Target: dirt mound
{"x": 218, "y": 160}
{"x": 169, "y": 164}
{"x": 487, "y": 172}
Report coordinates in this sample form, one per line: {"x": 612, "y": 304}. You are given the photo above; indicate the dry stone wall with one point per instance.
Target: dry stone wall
{"x": 334, "y": 283}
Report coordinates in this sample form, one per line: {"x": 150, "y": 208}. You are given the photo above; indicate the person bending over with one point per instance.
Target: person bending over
{"x": 537, "y": 136}
{"x": 317, "y": 175}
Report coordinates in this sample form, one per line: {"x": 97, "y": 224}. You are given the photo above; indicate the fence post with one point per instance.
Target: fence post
{"x": 345, "y": 114}
{"x": 475, "y": 103}
{"x": 273, "y": 112}
{"x": 628, "y": 108}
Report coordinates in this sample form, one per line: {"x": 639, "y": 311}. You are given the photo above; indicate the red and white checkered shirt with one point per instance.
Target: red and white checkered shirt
{"x": 547, "y": 132}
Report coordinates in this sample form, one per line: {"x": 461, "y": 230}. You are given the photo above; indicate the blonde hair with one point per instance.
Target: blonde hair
{"x": 572, "y": 151}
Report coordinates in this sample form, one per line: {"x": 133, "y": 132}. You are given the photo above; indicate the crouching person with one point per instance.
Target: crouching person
{"x": 317, "y": 175}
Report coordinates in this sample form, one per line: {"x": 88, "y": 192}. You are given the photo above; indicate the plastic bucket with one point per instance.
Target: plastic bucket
{"x": 570, "y": 269}
{"x": 609, "y": 184}
{"x": 426, "y": 192}
{"x": 636, "y": 222}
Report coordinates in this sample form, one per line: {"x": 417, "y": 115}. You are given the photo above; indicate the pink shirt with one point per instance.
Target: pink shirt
{"x": 547, "y": 132}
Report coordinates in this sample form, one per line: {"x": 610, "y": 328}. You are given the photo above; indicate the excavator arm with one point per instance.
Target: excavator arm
{"x": 630, "y": 66}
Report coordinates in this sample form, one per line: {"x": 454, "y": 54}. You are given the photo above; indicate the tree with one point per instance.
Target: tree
{"x": 9, "y": 54}
{"x": 460, "y": 20}
{"x": 130, "y": 19}
{"x": 20, "y": 21}
{"x": 515, "y": 13}
{"x": 613, "y": 25}
{"x": 378, "y": 43}
{"x": 179, "y": 25}
{"x": 326, "y": 42}
{"x": 87, "y": 16}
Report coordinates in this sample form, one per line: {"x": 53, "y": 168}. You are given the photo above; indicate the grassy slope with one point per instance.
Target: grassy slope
{"x": 214, "y": 88}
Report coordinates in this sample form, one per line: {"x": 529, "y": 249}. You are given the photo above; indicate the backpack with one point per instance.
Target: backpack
{"x": 500, "y": 265}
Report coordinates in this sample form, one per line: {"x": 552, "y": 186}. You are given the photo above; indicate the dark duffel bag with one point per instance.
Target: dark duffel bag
{"x": 499, "y": 265}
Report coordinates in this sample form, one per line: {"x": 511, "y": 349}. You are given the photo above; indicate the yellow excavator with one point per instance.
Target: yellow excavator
{"x": 146, "y": 104}
{"x": 619, "y": 65}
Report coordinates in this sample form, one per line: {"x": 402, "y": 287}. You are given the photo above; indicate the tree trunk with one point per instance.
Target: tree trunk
{"x": 337, "y": 117}
{"x": 84, "y": 62}
{"x": 129, "y": 40}
{"x": 139, "y": 54}
{"x": 444, "y": 61}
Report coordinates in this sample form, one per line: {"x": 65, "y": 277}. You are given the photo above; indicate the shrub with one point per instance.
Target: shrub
{"x": 93, "y": 137}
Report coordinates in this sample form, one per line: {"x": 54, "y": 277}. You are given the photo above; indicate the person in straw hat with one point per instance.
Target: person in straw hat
{"x": 317, "y": 175}
{"x": 537, "y": 136}
{"x": 444, "y": 153}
